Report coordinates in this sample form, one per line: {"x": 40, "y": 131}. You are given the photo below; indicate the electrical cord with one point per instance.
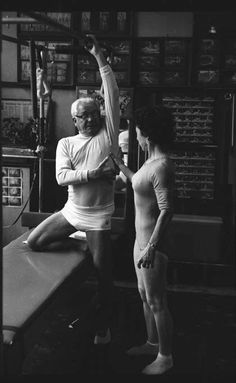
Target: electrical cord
{"x": 27, "y": 200}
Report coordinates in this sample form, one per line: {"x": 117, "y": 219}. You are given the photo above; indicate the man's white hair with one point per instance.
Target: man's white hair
{"x": 83, "y": 100}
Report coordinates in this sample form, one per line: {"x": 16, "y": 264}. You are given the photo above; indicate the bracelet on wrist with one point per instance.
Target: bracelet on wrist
{"x": 152, "y": 245}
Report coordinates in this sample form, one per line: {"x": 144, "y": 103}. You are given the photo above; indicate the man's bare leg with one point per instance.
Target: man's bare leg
{"x": 51, "y": 234}
{"x": 99, "y": 244}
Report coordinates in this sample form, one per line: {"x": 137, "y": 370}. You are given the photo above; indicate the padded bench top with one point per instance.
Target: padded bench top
{"x": 29, "y": 278}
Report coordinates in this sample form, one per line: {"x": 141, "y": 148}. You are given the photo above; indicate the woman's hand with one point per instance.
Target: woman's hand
{"x": 117, "y": 160}
{"x": 147, "y": 257}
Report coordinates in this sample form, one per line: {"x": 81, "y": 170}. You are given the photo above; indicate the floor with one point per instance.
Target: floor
{"x": 203, "y": 344}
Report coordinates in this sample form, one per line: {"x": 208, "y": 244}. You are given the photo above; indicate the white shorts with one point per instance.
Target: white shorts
{"x": 88, "y": 218}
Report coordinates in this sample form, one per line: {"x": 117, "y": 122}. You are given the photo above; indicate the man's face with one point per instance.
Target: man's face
{"x": 87, "y": 119}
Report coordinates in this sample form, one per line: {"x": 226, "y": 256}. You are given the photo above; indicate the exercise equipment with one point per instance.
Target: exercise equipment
{"x": 31, "y": 280}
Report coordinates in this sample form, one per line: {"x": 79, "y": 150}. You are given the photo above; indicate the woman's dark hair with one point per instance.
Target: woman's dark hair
{"x": 157, "y": 123}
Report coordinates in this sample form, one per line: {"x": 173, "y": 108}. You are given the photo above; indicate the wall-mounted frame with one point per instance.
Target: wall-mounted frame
{"x": 148, "y": 54}
{"x": 102, "y": 22}
{"x": 176, "y": 60}
{"x": 87, "y": 69}
{"x": 17, "y": 126}
{"x": 125, "y": 99}
{"x": 229, "y": 62}
{"x": 207, "y": 61}
{"x": 162, "y": 61}
{"x": 59, "y": 65}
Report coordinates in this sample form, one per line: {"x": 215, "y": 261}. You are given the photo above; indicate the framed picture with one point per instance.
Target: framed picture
{"x": 149, "y": 46}
{"x": 176, "y": 53}
{"x": 121, "y": 46}
{"x": 86, "y": 21}
{"x": 12, "y": 191}
{"x": 86, "y": 76}
{"x": 125, "y": 99}
{"x": 59, "y": 65}
{"x": 208, "y": 76}
{"x": 207, "y": 46}
{"x": 63, "y": 18}
{"x": 174, "y": 78}
{"x": 86, "y": 61}
{"x": 229, "y": 78}
{"x": 210, "y": 59}
{"x": 122, "y": 22}
{"x": 120, "y": 62}
{"x": 149, "y": 78}
{"x": 100, "y": 22}
{"x": 230, "y": 61}
{"x": 174, "y": 46}
{"x": 104, "y": 21}
{"x": 149, "y": 61}
{"x": 175, "y": 60}
{"x": 17, "y": 124}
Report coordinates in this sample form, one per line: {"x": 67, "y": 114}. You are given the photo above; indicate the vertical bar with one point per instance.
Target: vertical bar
{"x": 233, "y": 122}
{"x": 42, "y": 64}
{"x": 33, "y": 79}
{"x": 2, "y": 364}
{"x": 41, "y": 182}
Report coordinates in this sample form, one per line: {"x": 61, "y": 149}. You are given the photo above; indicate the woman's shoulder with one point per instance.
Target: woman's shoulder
{"x": 161, "y": 168}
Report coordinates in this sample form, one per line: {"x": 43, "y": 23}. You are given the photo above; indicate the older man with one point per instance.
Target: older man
{"x": 82, "y": 164}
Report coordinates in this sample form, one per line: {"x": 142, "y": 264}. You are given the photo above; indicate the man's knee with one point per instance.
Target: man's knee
{"x": 35, "y": 243}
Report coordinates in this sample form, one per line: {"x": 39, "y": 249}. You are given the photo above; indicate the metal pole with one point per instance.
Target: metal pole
{"x": 18, "y": 20}
{"x": 33, "y": 79}
{"x": 14, "y": 40}
{"x": 47, "y": 20}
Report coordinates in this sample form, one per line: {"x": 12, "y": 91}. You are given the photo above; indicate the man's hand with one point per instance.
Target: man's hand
{"x": 102, "y": 171}
{"x": 91, "y": 45}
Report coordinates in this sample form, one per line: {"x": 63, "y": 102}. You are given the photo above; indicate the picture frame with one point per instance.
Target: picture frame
{"x": 86, "y": 61}
{"x": 59, "y": 65}
{"x": 148, "y": 46}
{"x": 149, "y": 61}
{"x": 176, "y": 54}
{"x": 149, "y": 78}
{"x": 230, "y": 61}
{"x": 229, "y": 78}
{"x": 174, "y": 78}
{"x": 120, "y": 62}
{"x": 12, "y": 191}
{"x": 86, "y": 21}
{"x": 17, "y": 126}
{"x": 208, "y": 77}
{"x": 123, "y": 22}
{"x": 104, "y": 21}
{"x": 85, "y": 76}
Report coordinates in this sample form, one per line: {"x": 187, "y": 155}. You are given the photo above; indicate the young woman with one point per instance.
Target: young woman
{"x": 153, "y": 186}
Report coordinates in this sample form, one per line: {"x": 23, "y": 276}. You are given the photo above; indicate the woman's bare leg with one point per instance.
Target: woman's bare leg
{"x": 155, "y": 287}
{"x": 151, "y": 345}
